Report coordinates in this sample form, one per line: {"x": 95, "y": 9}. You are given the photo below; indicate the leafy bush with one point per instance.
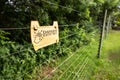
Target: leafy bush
{"x": 21, "y": 61}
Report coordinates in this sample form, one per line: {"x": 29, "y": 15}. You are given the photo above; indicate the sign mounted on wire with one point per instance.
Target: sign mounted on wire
{"x": 42, "y": 36}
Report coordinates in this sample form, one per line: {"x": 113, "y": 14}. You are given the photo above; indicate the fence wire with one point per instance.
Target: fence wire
{"x": 26, "y": 28}
{"x": 14, "y": 28}
{"x": 70, "y": 66}
{"x": 60, "y": 6}
{"x": 18, "y": 51}
{"x": 81, "y": 70}
{"x": 78, "y": 70}
{"x": 60, "y": 65}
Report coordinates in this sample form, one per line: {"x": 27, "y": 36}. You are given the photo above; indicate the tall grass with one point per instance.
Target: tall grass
{"x": 109, "y": 64}
{"x": 105, "y": 68}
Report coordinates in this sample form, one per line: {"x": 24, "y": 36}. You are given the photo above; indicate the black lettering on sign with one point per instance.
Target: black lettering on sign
{"x": 39, "y": 35}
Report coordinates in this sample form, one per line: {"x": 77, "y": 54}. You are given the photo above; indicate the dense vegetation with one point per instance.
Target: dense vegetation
{"x": 18, "y": 60}
{"x": 105, "y": 68}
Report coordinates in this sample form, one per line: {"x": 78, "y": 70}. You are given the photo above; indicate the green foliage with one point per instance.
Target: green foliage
{"x": 17, "y": 59}
{"x": 20, "y": 61}
{"x": 3, "y": 34}
{"x": 108, "y": 64}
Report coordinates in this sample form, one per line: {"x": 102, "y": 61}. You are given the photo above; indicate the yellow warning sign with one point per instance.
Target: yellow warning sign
{"x": 42, "y": 36}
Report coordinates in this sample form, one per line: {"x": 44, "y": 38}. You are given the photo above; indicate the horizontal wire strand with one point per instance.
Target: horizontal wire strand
{"x": 71, "y": 34}
{"x": 70, "y": 66}
{"x": 83, "y": 49}
{"x": 83, "y": 67}
{"x": 80, "y": 70}
{"x": 13, "y": 53}
{"x": 29, "y": 27}
{"x": 68, "y": 25}
{"x": 77, "y": 67}
{"x": 69, "y": 47}
{"x": 68, "y": 36}
{"x": 87, "y": 62}
{"x": 14, "y": 28}
{"x": 60, "y": 64}
{"x": 82, "y": 75}
{"x": 60, "y": 6}
{"x": 19, "y": 51}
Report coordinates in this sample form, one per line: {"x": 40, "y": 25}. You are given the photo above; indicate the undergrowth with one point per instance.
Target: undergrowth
{"x": 107, "y": 67}
{"x": 109, "y": 63}
{"x": 18, "y": 62}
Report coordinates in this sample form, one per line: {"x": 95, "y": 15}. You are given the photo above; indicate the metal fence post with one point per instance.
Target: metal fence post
{"x": 108, "y": 26}
{"x": 102, "y": 35}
